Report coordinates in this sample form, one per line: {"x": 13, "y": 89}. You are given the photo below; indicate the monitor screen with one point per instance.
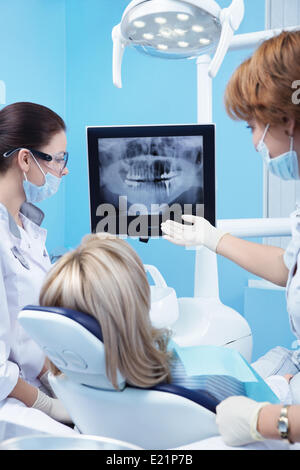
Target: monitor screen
{"x": 140, "y": 176}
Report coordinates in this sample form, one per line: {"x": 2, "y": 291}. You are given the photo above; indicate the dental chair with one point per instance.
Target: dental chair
{"x": 162, "y": 417}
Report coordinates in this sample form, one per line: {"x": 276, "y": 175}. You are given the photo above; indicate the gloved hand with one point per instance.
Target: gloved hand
{"x": 200, "y": 233}
{"x": 237, "y": 420}
{"x": 52, "y": 407}
{"x": 46, "y": 387}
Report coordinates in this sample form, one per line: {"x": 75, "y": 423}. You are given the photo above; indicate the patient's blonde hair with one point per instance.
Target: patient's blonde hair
{"x": 105, "y": 278}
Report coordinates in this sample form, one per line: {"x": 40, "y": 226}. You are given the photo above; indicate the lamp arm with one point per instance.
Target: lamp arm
{"x": 119, "y": 45}
{"x": 231, "y": 19}
{"x": 247, "y": 40}
{"x": 257, "y": 228}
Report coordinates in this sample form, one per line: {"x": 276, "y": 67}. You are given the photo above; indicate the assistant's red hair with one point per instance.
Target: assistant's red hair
{"x": 261, "y": 87}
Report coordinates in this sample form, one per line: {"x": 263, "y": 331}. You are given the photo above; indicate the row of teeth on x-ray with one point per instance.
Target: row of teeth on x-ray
{"x": 158, "y": 172}
{"x": 159, "y": 187}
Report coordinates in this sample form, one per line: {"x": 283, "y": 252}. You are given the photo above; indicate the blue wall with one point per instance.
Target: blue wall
{"x": 158, "y": 92}
{"x": 32, "y": 65}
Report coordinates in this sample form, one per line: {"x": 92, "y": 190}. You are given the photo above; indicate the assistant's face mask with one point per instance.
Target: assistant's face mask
{"x": 36, "y": 193}
{"x": 284, "y": 166}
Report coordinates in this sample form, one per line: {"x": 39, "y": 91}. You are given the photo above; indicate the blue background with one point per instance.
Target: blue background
{"x": 59, "y": 53}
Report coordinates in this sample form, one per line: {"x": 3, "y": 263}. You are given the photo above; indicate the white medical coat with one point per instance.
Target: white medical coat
{"x": 24, "y": 263}
{"x": 280, "y": 360}
{"x": 292, "y": 261}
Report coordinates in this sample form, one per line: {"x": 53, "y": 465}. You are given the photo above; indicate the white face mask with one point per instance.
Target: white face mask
{"x": 36, "y": 193}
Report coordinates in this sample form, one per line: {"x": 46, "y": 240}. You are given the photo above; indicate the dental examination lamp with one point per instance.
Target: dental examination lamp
{"x": 176, "y": 29}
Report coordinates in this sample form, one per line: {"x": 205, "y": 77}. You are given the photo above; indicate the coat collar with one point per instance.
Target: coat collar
{"x": 32, "y": 213}
{"x": 31, "y": 217}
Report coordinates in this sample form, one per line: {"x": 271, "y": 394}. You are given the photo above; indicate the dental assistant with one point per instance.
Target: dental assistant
{"x": 33, "y": 160}
{"x": 261, "y": 93}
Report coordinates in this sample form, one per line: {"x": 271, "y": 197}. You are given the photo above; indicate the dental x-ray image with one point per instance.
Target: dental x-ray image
{"x": 140, "y": 176}
{"x": 152, "y": 172}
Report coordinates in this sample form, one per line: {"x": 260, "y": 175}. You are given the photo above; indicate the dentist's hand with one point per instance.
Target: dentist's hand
{"x": 201, "y": 232}
{"x": 237, "y": 420}
{"x": 52, "y": 407}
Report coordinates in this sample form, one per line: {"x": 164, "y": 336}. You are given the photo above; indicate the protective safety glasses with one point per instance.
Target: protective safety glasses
{"x": 57, "y": 162}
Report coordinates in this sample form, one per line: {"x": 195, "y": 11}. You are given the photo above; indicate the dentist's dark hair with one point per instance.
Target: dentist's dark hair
{"x": 26, "y": 124}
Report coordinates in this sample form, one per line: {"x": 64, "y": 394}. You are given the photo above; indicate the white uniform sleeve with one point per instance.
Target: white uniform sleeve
{"x": 280, "y": 387}
{"x": 290, "y": 254}
{"x": 292, "y": 249}
{"x": 9, "y": 371}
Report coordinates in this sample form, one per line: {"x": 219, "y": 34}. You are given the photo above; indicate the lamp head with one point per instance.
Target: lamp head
{"x": 176, "y": 29}
{"x": 172, "y": 28}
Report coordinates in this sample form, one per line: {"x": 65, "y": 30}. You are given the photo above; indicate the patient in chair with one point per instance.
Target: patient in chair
{"x": 105, "y": 278}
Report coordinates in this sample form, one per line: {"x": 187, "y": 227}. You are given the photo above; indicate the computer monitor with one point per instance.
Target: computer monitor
{"x": 140, "y": 176}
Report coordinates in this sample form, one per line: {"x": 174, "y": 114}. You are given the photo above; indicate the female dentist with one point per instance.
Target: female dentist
{"x": 261, "y": 92}
{"x": 33, "y": 160}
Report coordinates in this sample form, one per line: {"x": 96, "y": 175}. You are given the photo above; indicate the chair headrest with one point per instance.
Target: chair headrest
{"x": 84, "y": 319}
{"x": 73, "y": 341}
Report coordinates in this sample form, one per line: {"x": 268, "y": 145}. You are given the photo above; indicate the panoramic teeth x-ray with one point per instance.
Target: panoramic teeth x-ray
{"x": 151, "y": 171}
